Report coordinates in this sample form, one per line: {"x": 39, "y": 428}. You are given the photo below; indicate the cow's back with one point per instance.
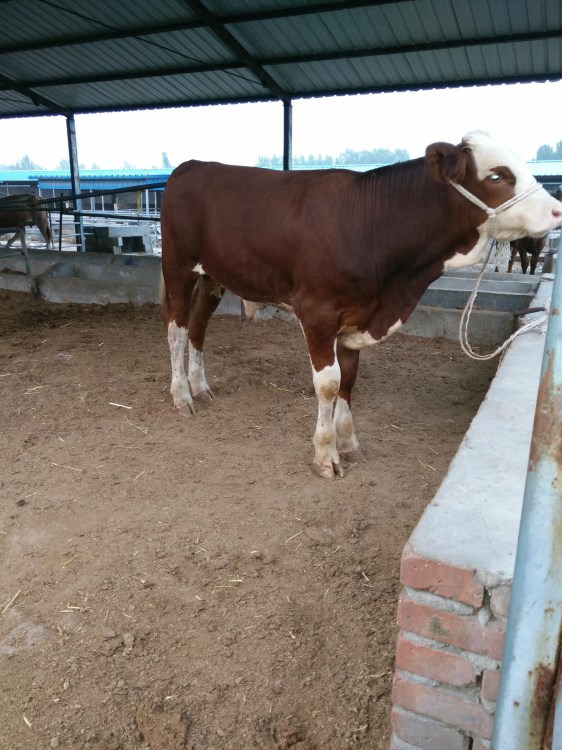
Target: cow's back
{"x": 253, "y": 230}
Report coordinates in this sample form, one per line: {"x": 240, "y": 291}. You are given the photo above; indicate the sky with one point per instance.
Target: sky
{"x": 524, "y": 116}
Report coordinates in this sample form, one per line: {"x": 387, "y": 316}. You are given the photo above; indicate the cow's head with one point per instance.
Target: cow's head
{"x": 495, "y": 174}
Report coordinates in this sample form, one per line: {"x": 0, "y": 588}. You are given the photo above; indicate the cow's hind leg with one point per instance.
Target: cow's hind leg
{"x": 346, "y": 440}
{"x": 206, "y": 297}
{"x": 177, "y": 339}
{"x": 176, "y": 302}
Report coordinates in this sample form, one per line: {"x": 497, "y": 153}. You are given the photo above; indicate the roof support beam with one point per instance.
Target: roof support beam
{"x": 287, "y": 134}
{"x": 75, "y": 180}
{"x": 7, "y": 84}
{"x": 219, "y": 29}
{"x": 258, "y": 64}
{"x": 142, "y": 31}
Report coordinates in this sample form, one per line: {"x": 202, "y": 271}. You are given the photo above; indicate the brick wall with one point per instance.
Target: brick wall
{"x": 448, "y": 656}
{"x": 457, "y": 569}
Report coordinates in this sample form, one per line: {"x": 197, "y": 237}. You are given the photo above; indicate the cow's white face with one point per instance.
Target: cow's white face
{"x": 497, "y": 165}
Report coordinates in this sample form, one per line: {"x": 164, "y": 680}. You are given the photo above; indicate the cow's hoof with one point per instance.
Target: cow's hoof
{"x": 328, "y": 471}
{"x": 202, "y": 393}
{"x": 186, "y": 409}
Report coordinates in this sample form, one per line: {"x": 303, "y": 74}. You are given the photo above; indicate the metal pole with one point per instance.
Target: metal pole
{"x": 75, "y": 179}
{"x": 532, "y": 646}
{"x": 287, "y": 134}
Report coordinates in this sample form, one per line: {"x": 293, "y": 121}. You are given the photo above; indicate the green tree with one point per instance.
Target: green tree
{"x": 26, "y": 163}
{"x": 269, "y": 161}
{"x": 548, "y": 153}
{"x": 373, "y": 156}
{"x": 545, "y": 152}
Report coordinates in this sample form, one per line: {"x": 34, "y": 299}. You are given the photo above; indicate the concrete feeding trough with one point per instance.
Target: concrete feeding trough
{"x": 88, "y": 278}
{"x": 117, "y": 238}
{"x": 492, "y": 321}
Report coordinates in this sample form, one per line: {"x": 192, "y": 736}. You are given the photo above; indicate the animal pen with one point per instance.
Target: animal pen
{"x": 454, "y": 606}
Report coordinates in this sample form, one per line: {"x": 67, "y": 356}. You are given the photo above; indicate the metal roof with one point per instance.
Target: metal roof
{"x": 64, "y": 57}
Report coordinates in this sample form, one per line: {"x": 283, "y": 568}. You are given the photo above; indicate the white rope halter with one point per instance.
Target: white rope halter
{"x": 465, "y": 317}
{"x": 493, "y": 212}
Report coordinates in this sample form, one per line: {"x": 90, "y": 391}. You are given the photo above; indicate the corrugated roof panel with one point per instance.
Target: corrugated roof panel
{"x": 177, "y": 49}
{"x": 409, "y": 44}
{"x": 179, "y": 90}
{"x": 37, "y": 21}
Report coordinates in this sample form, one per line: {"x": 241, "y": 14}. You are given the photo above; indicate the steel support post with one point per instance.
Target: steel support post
{"x": 525, "y": 707}
{"x": 75, "y": 180}
{"x": 287, "y": 134}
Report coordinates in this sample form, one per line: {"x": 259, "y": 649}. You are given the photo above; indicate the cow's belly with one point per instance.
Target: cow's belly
{"x": 352, "y": 338}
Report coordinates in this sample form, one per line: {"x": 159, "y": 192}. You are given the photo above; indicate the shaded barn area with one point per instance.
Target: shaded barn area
{"x": 188, "y": 583}
{"x": 167, "y": 587}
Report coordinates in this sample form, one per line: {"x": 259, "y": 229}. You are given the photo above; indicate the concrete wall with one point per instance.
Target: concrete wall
{"x": 457, "y": 570}
{"x": 101, "y": 278}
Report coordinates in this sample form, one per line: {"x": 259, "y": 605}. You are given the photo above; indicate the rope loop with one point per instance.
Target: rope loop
{"x": 466, "y": 313}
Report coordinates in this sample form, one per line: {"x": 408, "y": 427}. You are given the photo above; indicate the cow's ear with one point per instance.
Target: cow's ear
{"x": 447, "y": 162}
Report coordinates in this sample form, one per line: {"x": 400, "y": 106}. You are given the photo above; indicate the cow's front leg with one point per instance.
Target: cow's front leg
{"x": 346, "y": 440}
{"x": 326, "y": 385}
{"x": 177, "y": 338}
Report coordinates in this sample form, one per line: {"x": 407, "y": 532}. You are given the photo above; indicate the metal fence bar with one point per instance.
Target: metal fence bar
{"x": 96, "y": 193}
{"x": 524, "y": 710}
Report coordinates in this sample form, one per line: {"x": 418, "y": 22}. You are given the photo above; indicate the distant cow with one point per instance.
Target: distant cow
{"x": 529, "y": 250}
{"x": 351, "y": 253}
{"x": 24, "y": 210}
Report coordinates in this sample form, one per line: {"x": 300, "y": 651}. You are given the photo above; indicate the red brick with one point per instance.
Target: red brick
{"x": 452, "y": 669}
{"x": 454, "y": 709}
{"x": 490, "y": 684}
{"x": 499, "y": 601}
{"x": 446, "y": 580}
{"x": 462, "y": 631}
{"x": 426, "y": 734}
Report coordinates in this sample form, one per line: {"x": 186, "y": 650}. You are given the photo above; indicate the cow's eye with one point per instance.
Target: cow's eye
{"x": 495, "y": 177}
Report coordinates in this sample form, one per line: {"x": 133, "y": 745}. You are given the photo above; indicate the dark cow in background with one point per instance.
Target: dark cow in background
{"x": 351, "y": 253}
{"x": 20, "y": 211}
{"x": 529, "y": 250}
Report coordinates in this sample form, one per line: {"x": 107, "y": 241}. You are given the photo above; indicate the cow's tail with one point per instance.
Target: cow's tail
{"x": 162, "y": 290}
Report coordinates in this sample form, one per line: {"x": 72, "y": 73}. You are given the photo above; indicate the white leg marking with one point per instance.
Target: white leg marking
{"x": 196, "y": 373}
{"x": 346, "y": 440}
{"x": 326, "y": 385}
{"x": 177, "y": 338}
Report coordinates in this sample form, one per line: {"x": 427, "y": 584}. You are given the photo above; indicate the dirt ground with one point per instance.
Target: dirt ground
{"x": 171, "y": 583}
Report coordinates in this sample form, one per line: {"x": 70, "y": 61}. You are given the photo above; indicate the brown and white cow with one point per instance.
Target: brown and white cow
{"x": 351, "y": 253}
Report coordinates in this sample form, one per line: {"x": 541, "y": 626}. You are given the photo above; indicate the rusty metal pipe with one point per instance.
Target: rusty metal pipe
{"x": 525, "y": 710}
